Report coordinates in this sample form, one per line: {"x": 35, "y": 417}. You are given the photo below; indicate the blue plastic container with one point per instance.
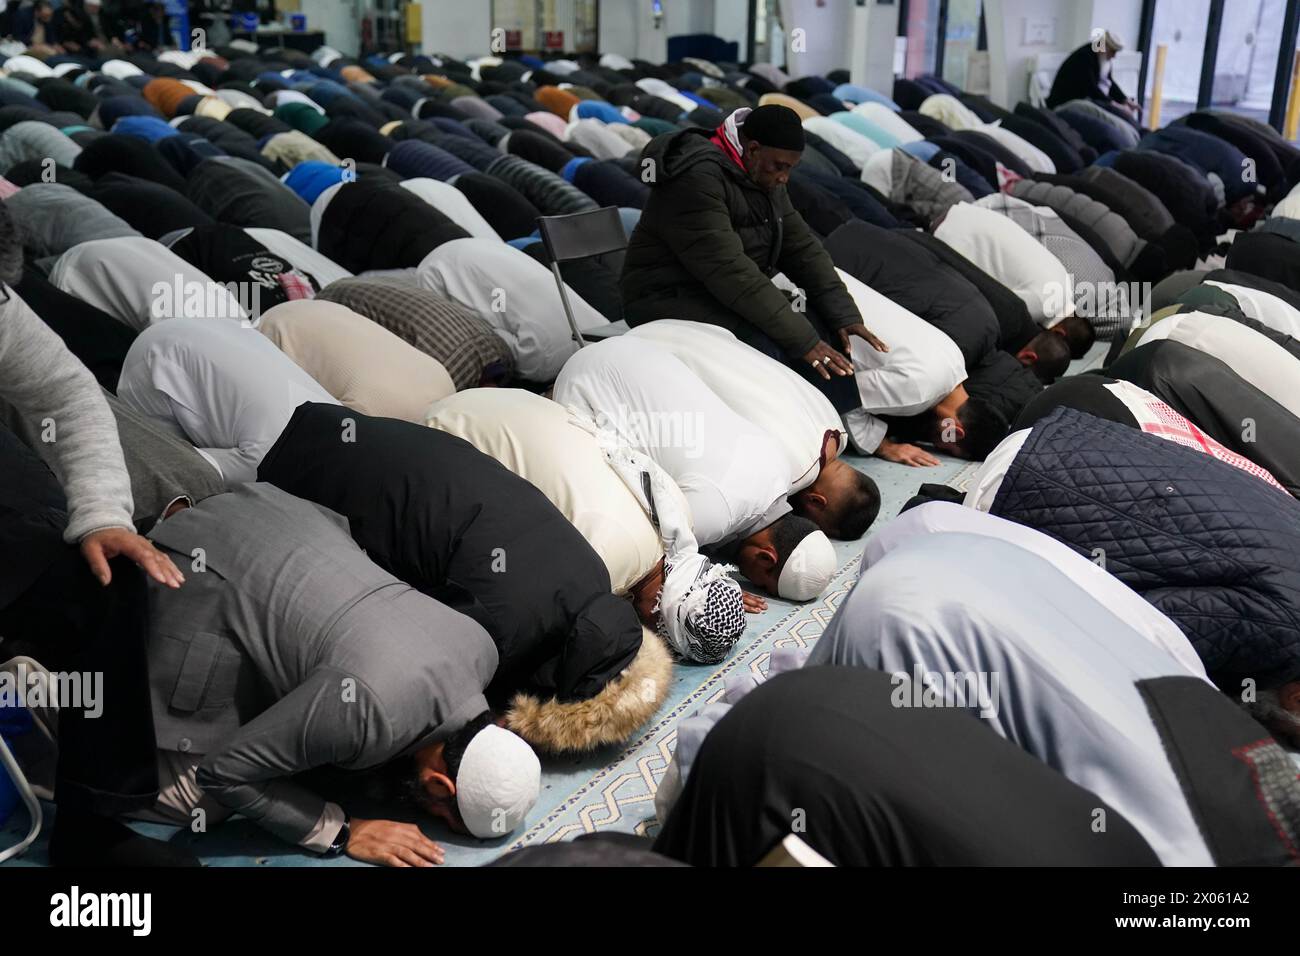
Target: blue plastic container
{"x": 298, "y": 22}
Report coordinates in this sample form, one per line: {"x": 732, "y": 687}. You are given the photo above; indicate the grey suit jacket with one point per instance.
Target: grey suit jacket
{"x": 290, "y": 649}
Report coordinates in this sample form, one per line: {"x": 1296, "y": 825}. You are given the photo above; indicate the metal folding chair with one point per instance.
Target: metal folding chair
{"x": 19, "y": 779}
{"x": 580, "y": 235}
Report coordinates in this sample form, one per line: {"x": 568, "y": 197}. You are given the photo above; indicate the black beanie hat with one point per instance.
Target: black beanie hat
{"x": 775, "y": 126}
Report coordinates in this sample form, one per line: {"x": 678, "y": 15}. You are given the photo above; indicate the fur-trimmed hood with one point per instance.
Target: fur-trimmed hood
{"x": 611, "y": 717}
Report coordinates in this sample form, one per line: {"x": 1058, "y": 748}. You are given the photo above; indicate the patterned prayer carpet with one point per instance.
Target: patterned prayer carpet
{"x": 612, "y": 789}
{"x": 608, "y": 790}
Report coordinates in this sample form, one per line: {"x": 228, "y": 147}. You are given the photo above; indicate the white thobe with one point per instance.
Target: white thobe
{"x": 226, "y": 385}
{"x": 943, "y": 516}
{"x": 1012, "y": 256}
{"x": 1060, "y": 667}
{"x": 1254, "y": 356}
{"x": 516, "y": 294}
{"x": 1264, "y": 307}
{"x": 536, "y": 439}
{"x": 760, "y": 389}
{"x": 141, "y": 282}
{"x": 922, "y": 366}
{"x": 453, "y": 204}
{"x": 639, "y": 395}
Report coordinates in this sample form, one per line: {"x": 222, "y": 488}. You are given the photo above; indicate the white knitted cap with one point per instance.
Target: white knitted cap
{"x": 497, "y": 783}
{"x": 808, "y": 569}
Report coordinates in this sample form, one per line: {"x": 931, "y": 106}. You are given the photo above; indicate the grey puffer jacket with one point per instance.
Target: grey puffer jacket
{"x": 548, "y": 192}
{"x": 1124, "y": 244}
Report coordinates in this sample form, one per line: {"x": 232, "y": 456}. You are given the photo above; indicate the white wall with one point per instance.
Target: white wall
{"x": 1123, "y": 17}
{"x": 731, "y": 22}
{"x": 456, "y": 27}
{"x": 874, "y": 38}
{"x": 627, "y": 26}
{"x": 340, "y": 21}
{"x": 1072, "y": 20}
{"x": 827, "y": 34}
{"x": 618, "y": 27}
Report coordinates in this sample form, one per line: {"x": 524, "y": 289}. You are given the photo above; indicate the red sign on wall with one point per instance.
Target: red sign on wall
{"x": 514, "y": 39}
{"x": 553, "y": 40}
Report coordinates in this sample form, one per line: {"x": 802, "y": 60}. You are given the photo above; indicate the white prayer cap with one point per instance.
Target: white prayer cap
{"x": 497, "y": 783}
{"x": 808, "y": 569}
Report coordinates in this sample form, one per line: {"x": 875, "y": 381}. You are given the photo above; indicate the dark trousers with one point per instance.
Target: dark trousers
{"x": 69, "y": 622}
{"x": 841, "y": 390}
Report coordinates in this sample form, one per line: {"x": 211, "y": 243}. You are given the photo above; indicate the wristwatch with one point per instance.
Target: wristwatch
{"x": 341, "y": 840}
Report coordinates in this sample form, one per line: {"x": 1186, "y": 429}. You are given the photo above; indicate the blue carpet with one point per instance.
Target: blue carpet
{"x": 612, "y": 789}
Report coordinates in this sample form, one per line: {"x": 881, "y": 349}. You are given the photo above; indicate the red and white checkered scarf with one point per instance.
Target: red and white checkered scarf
{"x": 1156, "y": 418}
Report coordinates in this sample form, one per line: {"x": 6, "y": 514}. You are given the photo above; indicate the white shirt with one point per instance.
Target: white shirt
{"x": 639, "y": 395}
{"x": 1253, "y": 356}
{"x": 1012, "y": 256}
{"x": 597, "y": 138}
{"x": 760, "y": 389}
{"x": 889, "y": 121}
{"x": 1025, "y": 151}
{"x": 535, "y": 439}
{"x": 878, "y": 171}
{"x": 1264, "y": 307}
{"x": 1104, "y": 69}
{"x": 239, "y": 100}
{"x": 300, "y": 255}
{"x": 921, "y": 367}
{"x": 1288, "y": 208}
{"x": 986, "y": 482}
{"x": 1066, "y": 666}
{"x": 318, "y": 211}
{"x": 854, "y": 145}
{"x": 950, "y": 111}
{"x": 34, "y": 67}
{"x": 453, "y": 204}
{"x": 228, "y": 388}
{"x": 140, "y": 282}
{"x": 1128, "y": 605}
{"x": 281, "y": 97}
{"x": 666, "y": 91}
{"x": 516, "y": 294}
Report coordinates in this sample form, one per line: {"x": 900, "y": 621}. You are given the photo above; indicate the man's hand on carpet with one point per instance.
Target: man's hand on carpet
{"x": 388, "y": 843}
{"x": 100, "y": 547}
{"x": 906, "y": 454}
{"x": 753, "y": 603}
{"x": 864, "y": 333}
{"x": 826, "y": 360}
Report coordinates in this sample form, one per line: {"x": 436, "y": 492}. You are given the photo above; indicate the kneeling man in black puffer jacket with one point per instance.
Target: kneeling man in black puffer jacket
{"x": 716, "y": 228}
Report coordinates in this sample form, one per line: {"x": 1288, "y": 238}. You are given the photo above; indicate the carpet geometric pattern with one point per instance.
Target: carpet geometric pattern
{"x": 611, "y": 790}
